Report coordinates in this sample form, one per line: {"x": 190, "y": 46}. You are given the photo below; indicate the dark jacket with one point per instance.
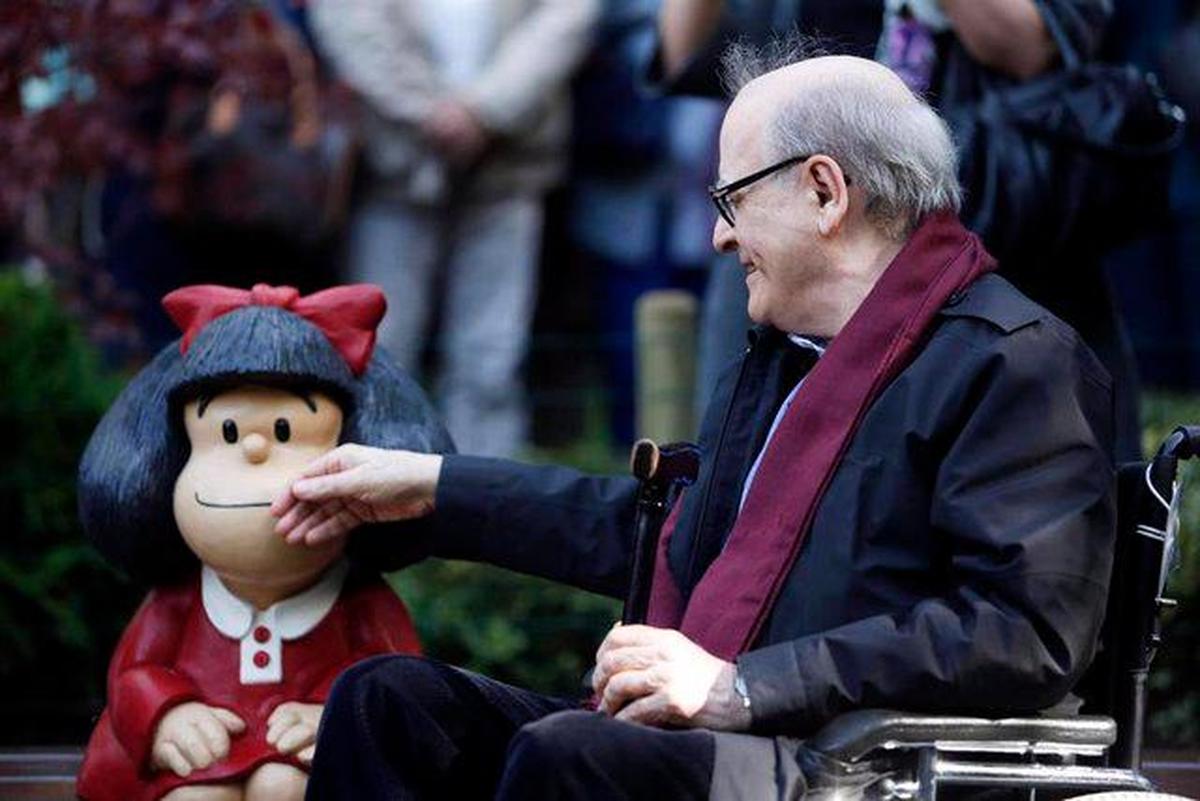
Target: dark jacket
{"x": 959, "y": 560}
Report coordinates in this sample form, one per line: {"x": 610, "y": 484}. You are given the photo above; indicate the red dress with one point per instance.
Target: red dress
{"x": 173, "y": 652}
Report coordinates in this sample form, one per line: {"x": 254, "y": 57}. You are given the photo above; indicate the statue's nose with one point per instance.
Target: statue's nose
{"x": 256, "y": 448}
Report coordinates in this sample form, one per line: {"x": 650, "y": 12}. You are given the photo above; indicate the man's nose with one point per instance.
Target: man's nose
{"x": 256, "y": 448}
{"x": 723, "y": 238}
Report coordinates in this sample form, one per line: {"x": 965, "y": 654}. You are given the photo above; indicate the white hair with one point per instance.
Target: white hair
{"x": 890, "y": 143}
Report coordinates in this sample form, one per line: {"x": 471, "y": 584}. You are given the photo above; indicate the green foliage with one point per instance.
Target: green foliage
{"x": 61, "y": 607}
{"x": 1174, "y": 682}
{"x": 521, "y": 630}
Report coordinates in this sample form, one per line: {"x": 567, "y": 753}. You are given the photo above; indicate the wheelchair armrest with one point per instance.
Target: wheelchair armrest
{"x": 855, "y": 734}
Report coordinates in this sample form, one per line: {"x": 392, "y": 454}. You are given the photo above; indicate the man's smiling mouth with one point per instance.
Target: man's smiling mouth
{"x": 230, "y": 505}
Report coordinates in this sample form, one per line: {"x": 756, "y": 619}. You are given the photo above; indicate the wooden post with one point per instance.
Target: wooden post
{"x": 665, "y": 322}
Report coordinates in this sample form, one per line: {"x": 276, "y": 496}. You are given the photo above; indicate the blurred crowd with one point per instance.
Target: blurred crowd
{"x": 514, "y": 173}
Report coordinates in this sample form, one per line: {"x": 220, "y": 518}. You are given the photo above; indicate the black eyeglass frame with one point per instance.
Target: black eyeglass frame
{"x": 720, "y": 194}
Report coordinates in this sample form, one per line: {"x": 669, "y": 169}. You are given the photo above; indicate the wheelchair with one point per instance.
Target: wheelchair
{"x": 889, "y": 754}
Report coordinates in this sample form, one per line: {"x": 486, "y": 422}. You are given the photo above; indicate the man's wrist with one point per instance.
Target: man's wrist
{"x": 735, "y": 709}
{"x": 433, "y": 477}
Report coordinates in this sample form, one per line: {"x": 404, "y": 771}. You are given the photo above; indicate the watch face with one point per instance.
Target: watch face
{"x": 743, "y": 692}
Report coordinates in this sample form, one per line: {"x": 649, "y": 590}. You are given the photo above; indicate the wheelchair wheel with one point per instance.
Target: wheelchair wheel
{"x": 1129, "y": 796}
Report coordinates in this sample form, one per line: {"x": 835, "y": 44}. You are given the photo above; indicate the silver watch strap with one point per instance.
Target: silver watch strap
{"x": 740, "y": 688}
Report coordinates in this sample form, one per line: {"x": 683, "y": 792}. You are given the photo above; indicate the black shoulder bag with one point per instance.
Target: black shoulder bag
{"x": 1077, "y": 160}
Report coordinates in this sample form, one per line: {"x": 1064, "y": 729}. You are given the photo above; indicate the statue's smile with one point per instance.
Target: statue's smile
{"x": 230, "y": 505}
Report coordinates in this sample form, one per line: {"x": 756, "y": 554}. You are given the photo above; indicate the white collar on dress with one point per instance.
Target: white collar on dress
{"x": 295, "y": 616}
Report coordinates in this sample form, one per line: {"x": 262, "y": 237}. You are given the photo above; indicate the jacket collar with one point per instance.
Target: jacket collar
{"x": 295, "y": 616}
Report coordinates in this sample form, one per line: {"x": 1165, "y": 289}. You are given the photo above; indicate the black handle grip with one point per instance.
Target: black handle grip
{"x": 666, "y": 465}
{"x": 1182, "y": 443}
{"x": 660, "y": 470}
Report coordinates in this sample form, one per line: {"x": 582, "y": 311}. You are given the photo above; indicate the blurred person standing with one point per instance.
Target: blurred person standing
{"x": 948, "y": 51}
{"x": 466, "y": 122}
{"x": 638, "y": 215}
{"x": 1156, "y": 278}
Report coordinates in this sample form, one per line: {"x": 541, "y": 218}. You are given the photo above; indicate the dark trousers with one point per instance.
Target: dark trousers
{"x": 401, "y": 727}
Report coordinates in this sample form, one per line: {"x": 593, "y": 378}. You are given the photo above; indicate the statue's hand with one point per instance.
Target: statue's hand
{"x": 292, "y": 729}
{"x": 193, "y": 736}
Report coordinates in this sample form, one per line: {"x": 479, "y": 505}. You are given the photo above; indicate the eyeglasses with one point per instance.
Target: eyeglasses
{"x": 721, "y": 194}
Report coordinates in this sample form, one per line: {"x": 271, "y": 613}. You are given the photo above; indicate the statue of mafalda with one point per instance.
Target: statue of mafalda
{"x": 217, "y": 685}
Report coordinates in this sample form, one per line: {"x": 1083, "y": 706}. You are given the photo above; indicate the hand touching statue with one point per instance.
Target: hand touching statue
{"x": 352, "y": 485}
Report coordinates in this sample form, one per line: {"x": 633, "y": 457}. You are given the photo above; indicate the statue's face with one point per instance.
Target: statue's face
{"x": 248, "y": 444}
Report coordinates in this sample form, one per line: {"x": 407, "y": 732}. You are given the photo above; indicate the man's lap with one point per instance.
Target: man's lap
{"x": 429, "y": 723}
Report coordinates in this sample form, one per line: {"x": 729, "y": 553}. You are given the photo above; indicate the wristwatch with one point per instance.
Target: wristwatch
{"x": 740, "y": 689}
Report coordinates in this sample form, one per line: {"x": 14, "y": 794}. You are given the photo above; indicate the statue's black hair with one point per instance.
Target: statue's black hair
{"x": 128, "y": 471}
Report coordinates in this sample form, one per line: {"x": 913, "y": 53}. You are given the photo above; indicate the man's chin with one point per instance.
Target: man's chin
{"x": 756, "y": 313}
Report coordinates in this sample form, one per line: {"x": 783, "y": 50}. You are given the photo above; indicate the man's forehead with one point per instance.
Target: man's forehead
{"x": 743, "y": 133}
{"x": 753, "y": 111}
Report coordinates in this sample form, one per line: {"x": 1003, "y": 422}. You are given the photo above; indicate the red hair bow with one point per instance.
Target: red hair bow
{"x": 347, "y": 315}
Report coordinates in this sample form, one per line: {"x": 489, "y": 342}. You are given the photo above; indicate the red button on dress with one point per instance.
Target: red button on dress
{"x": 262, "y": 659}
{"x": 262, "y": 634}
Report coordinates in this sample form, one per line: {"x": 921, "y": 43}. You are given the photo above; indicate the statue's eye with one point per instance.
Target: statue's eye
{"x": 229, "y": 431}
{"x": 283, "y": 430}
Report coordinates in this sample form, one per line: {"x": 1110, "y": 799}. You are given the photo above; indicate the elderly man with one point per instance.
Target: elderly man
{"x": 905, "y": 498}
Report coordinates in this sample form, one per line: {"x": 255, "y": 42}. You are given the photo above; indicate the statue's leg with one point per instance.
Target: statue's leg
{"x": 205, "y": 792}
{"x": 275, "y": 781}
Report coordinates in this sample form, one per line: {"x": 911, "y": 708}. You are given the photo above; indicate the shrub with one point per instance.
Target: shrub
{"x": 521, "y": 630}
{"x": 61, "y": 607}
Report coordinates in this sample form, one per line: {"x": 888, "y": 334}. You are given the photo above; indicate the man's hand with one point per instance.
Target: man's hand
{"x": 455, "y": 131}
{"x": 661, "y": 678}
{"x": 193, "y": 736}
{"x": 292, "y": 729}
{"x": 354, "y": 484}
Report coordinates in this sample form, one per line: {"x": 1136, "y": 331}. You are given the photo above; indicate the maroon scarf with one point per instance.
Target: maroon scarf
{"x": 733, "y": 598}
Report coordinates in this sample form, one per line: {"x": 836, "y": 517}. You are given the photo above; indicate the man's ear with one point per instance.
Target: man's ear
{"x": 828, "y": 183}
